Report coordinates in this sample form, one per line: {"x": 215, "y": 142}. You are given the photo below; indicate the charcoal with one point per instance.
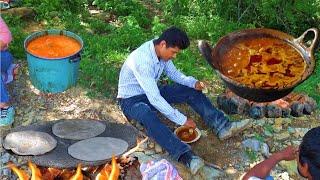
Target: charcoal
{"x": 230, "y": 103}
{"x": 286, "y": 112}
{"x": 297, "y": 109}
{"x": 273, "y": 111}
{"x": 307, "y": 109}
{"x": 257, "y": 111}
{"x": 311, "y": 105}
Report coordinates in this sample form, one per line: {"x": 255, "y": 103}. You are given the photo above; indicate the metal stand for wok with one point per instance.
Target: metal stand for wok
{"x": 59, "y": 157}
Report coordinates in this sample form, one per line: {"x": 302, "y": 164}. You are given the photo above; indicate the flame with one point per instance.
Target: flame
{"x": 50, "y": 173}
{"x": 66, "y": 174}
{"x": 36, "y": 174}
{"x": 78, "y": 175}
{"x": 20, "y": 173}
{"x": 109, "y": 172}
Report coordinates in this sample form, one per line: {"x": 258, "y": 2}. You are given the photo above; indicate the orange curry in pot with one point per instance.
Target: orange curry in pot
{"x": 263, "y": 63}
{"x": 53, "y": 46}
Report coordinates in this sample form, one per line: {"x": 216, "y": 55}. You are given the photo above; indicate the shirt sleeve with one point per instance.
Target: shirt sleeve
{"x": 5, "y": 34}
{"x": 178, "y": 77}
{"x": 145, "y": 77}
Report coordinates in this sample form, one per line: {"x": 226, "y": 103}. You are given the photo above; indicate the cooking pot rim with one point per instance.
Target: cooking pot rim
{"x": 297, "y": 44}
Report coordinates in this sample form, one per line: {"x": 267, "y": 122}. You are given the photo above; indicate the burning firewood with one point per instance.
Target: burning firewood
{"x": 109, "y": 172}
{"x": 35, "y": 172}
{"x": 50, "y": 173}
{"x": 20, "y": 173}
{"x": 78, "y": 175}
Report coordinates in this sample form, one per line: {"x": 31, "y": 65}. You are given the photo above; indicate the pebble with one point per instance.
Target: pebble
{"x": 158, "y": 148}
{"x": 231, "y": 170}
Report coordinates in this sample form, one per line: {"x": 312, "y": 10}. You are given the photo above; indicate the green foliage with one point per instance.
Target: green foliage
{"x": 48, "y": 9}
{"x": 252, "y": 155}
{"x": 157, "y": 26}
{"x": 126, "y": 8}
{"x": 259, "y": 137}
{"x": 293, "y": 17}
{"x": 312, "y": 85}
{"x": 16, "y": 25}
{"x": 108, "y": 41}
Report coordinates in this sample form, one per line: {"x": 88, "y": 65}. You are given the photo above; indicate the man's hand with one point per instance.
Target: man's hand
{"x": 190, "y": 123}
{"x": 289, "y": 153}
{"x": 199, "y": 86}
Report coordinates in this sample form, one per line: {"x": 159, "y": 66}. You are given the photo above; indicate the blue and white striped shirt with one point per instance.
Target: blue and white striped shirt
{"x": 140, "y": 73}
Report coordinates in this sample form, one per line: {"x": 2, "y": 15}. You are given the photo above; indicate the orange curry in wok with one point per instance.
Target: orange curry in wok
{"x": 53, "y": 46}
{"x": 263, "y": 63}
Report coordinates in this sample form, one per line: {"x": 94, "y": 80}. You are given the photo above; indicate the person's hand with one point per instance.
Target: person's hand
{"x": 289, "y": 153}
{"x": 199, "y": 85}
{"x": 3, "y": 46}
{"x": 190, "y": 123}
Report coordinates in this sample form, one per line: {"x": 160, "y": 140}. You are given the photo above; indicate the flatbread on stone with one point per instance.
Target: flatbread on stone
{"x": 98, "y": 148}
{"x": 29, "y": 142}
{"x": 78, "y": 129}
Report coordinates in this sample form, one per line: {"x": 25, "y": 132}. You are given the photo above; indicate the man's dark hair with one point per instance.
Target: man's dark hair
{"x": 174, "y": 37}
{"x": 310, "y": 152}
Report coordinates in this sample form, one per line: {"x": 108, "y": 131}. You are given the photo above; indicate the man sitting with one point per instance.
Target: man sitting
{"x": 140, "y": 96}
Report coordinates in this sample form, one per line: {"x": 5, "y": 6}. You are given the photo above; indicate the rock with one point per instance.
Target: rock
{"x": 291, "y": 130}
{"x": 158, "y": 148}
{"x": 282, "y": 136}
{"x": 257, "y": 146}
{"x": 231, "y": 171}
{"x": 142, "y": 157}
{"x": 20, "y": 12}
{"x": 297, "y": 109}
{"x": 267, "y": 133}
{"x": 208, "y": 173}
{"x": 277, "y": 126}
{"x": 273, "y": 111}
{"x": 284, "y": 176}
{"x": 151, "y": 144}
{"x": 149, "y": 152}
{"x": 260, "y": 122}
{"x": 300, "y": 132}
{"x": 296, "y": 143}
{"x": 290, "y": 166}
{"x": 286, "y": 112}
{"x": 257, "y": 111}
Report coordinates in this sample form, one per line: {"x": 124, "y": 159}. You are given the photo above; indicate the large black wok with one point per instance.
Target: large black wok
{"x": 214, "y": 58}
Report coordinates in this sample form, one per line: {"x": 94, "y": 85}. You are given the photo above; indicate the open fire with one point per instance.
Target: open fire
{"x": 105, "y": 172}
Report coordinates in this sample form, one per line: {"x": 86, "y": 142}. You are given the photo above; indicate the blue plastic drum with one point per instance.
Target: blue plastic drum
{"x": 53, "y": 75}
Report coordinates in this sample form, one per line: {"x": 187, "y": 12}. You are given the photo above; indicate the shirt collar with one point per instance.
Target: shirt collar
{"x": 153, "y": 52}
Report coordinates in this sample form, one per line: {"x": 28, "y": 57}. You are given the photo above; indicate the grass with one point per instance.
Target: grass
{"x": 108, "y": 40}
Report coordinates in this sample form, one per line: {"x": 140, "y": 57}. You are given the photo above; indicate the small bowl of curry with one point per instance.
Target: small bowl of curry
{"x": 187, "y": 134}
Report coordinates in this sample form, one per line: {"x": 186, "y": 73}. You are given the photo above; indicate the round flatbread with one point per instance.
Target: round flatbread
{"x": 78, "y": 129}
{"x": 98, "y": 148}
{"x": 29, "y": 142}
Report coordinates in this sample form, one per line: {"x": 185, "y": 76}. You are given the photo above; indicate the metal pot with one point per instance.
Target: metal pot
{"x": 214, "y": 58}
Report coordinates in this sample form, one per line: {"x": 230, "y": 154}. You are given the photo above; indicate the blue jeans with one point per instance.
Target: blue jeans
{"x": 140, "y": 109}
{"x": 6, "y": 60}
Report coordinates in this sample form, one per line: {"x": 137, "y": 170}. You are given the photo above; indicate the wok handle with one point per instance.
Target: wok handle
{"x": 310, "y": 49}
